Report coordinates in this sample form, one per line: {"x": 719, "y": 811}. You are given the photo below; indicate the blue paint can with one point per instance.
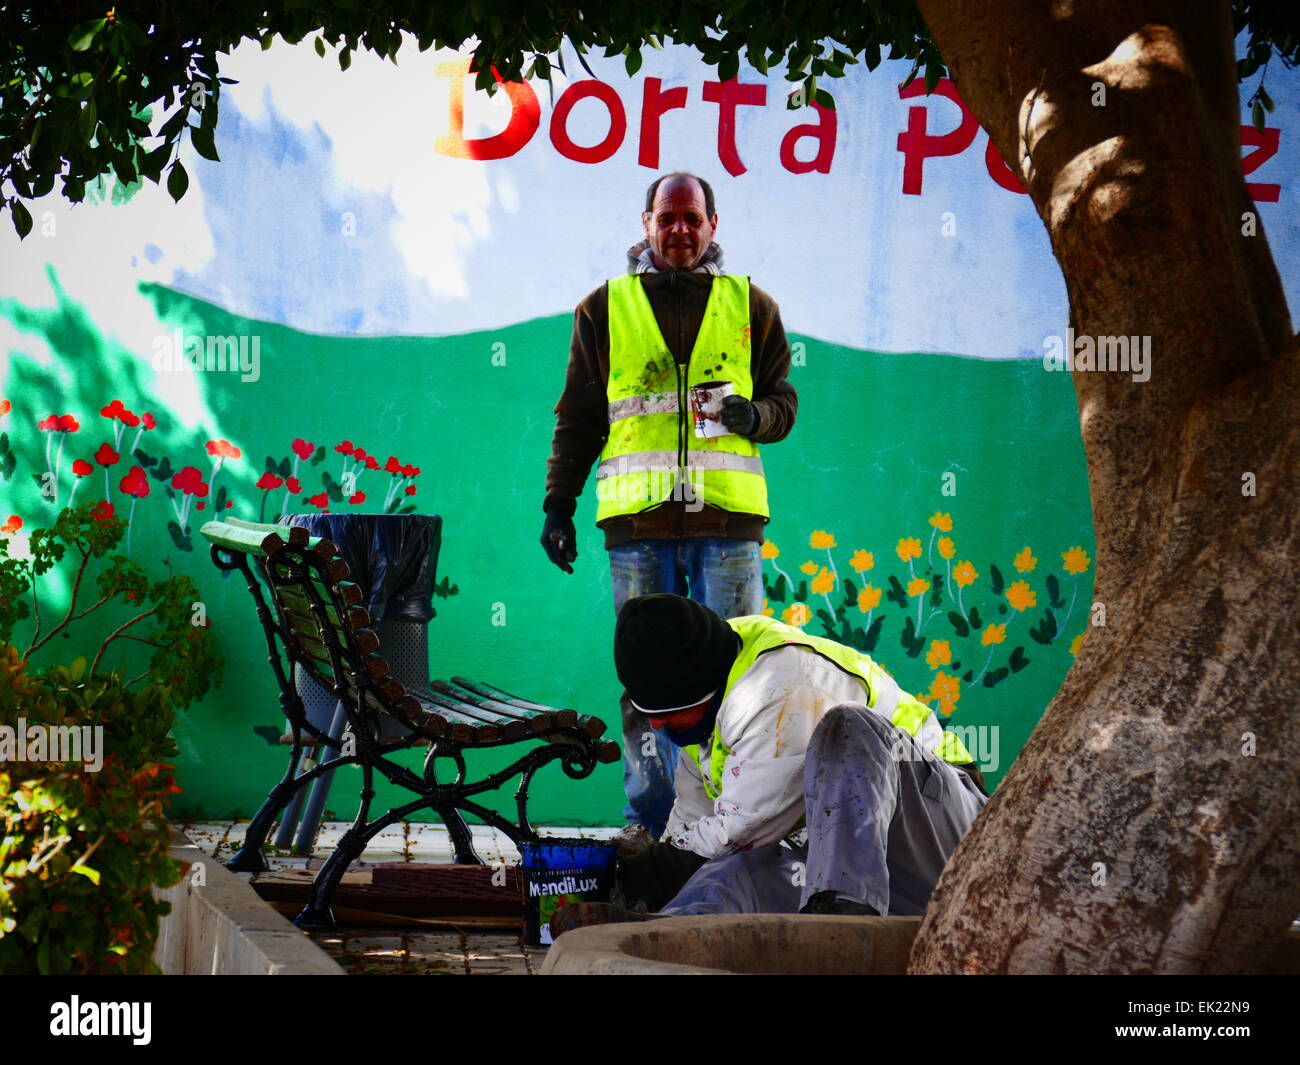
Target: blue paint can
{"x": 556, "y": 871}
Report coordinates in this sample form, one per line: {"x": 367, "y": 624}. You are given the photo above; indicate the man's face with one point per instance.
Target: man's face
{"x": 678, "y": 229}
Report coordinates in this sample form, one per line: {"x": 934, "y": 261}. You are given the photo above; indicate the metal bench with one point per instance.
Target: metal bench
{"x": 313, "y": 621}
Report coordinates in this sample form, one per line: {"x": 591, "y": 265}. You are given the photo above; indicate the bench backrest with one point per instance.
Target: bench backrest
{"x": 317, "y": 613}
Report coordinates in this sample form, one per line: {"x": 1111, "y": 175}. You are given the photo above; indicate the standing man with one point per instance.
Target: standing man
{"x": 681, "y": 495}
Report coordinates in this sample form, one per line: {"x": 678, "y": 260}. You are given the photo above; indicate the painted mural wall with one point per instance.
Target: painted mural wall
{"x": 386, "y": 263}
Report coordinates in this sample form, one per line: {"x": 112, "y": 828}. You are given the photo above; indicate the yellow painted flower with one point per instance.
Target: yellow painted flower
{"x": 868, "y": 598}
{"x": 939, "y": 654}
{"x": 1021, "y": 596}
{"x": 964, "y": 574}
{"x": 993, "y": 634}
{"x": 1077, "y": 642}
{"x": 797, "y": 614}
{"x": 823, "y": 582}
{"x": 942, "y": 522}
{"x": 908, "y": 547}
{"x": 1076, "y": 560}
{"x": 809, "y": 568}
{"x": 947, "y": 690}
{"x": 770, "y": 550}
{"x": 767, "y": 610}
{"x": 946, "y": 547}
{"x": 918, "y": 586}
{"x": 821, "y": 539}
{"x": 1025, "y": 561}
{"x": 862, "y": 560}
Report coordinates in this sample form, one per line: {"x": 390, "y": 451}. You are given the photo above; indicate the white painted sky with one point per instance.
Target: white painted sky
{"x": 441, "y": 245}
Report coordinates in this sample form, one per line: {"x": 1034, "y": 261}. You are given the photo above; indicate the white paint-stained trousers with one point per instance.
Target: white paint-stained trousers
{"x": 883, "y": 817}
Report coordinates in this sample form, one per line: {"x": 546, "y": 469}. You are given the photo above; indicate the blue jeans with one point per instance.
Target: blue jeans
{"x": 724, "y": 575}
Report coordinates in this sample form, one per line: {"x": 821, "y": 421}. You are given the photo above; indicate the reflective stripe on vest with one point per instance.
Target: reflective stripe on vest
{"x": 884, "y": 696}
{"x": 652, "y": 454}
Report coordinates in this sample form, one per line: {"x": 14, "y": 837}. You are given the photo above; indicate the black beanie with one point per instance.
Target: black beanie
{"x": 671, "y": 652}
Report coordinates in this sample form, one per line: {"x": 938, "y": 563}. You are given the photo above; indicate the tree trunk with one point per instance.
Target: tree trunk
{"x": 1152, "y": 821}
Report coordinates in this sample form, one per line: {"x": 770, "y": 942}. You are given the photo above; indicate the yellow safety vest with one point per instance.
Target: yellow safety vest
{"x": 652, "y": 454}
{"x": 760, "y": 634}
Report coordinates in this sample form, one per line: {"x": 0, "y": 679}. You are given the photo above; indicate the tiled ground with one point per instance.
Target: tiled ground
{"x": 437, "y": 951}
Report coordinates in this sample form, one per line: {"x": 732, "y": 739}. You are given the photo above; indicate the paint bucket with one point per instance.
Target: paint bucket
{"x": 556, "y": 871}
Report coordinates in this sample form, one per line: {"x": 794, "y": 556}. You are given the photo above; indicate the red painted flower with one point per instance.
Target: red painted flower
{"x": 136, "y": 483}
{"x": 62, "y": 423}
{"x": 106, "y": 456}
{"x": 293, "y": 485}
{"x": 304, "y": 449}
{"x": 320, "y": 499}
{"x": 81, "y": 467}
{"x": 359, "y": 454}
{"x": 147, "y": 419}
{"x": 190, "y": 481}
{"x": 410, "y": 489}
{"x": 410, "y": 471}
{"x": 392, "y": 465}
{"x": 343, "y": 447}
{"x": 372, "y": 463}
{"x": 12, "y": 525}
{"x": 223, "y": 449}
{"x": 117, "y": 410}
{"x": 269, "y": 480}
{"x": 5, "y": 406}
{"x": 357, "y": 497}
{"x": 229, "y": 503}
{"x": 199, "y": 505}
{"x": 103, "y": 511}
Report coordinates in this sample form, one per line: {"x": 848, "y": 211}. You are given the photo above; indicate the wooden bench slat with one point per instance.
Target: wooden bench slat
{"x": 508, "y": 728}
{"x": 537, "y": 722}
{"x": 496, "y": 693}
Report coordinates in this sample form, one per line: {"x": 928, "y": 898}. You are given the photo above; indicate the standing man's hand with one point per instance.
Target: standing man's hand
{"x": 560, "y": 540}
{"x": 739, "y": 415}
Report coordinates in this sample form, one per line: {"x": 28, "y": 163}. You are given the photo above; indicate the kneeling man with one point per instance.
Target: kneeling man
{"x": 808, "y": 782}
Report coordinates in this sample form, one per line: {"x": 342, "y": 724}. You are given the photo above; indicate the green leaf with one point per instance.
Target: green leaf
{"x": 633, "y": 63}
{"x": 345, "y": 59}
{"x": 320, "y": 47}
{"x": 933, "y": 72}
{"x": 1265, "y": 99}
{"x": 1257, "y": 115}
{"x": 177, "y": 180}
{"x": 22, "y": 218}
{"x": 90, "y": 874}
{"x": 81, "y": 37}
{"x": 824, "y": 98}
{"x": 204, "y": 143}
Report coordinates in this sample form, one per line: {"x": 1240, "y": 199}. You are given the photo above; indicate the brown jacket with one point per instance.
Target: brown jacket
{"x": 678, "y": 300}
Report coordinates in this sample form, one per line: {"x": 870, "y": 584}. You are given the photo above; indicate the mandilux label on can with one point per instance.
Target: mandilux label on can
{"x": 557, "y": 871}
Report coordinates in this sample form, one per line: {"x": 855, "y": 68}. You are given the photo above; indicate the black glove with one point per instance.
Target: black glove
{"x": 560, "y": 540}
{"x": 739, "y": 415}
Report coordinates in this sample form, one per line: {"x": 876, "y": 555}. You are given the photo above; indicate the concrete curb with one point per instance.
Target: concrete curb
{"x": 730, "y": 944}
{"x": 220, "y": 926}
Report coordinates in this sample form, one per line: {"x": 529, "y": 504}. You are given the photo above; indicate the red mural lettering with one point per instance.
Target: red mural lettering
{"x": 597, "y": 153}
{"x": 525, "y": 117}
{"x": 823, "y": 131}
{"x": 654, "y": 102}
{"x": 917, "y": 145}
{"x": 729, "y": 95}
{"x": 1265, "y": 143}
{"x": 999, "y": 171}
